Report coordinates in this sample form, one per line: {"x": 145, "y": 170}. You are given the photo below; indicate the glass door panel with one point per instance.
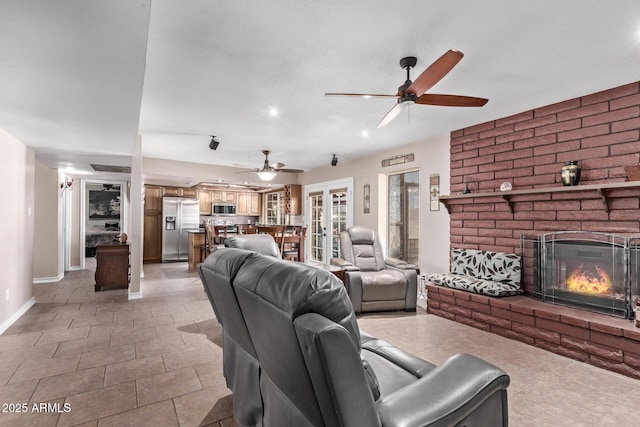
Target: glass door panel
{"x": 329, "y": 211}
{"x": 316, "y": 227}
{"x": 338, "y": 218}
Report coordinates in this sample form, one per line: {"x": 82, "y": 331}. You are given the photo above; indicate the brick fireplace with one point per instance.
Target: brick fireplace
{"x": 602, "y": 132}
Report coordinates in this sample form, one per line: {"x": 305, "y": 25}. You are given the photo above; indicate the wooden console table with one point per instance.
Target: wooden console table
{"x": 112, "y": 269}
{"x": 339, "y": 272}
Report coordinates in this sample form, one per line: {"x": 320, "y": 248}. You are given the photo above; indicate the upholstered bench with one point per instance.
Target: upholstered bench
{"x": 489, "y": 273}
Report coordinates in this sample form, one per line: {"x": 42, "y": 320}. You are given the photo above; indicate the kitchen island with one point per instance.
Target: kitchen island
{"x": 196, "y": 241}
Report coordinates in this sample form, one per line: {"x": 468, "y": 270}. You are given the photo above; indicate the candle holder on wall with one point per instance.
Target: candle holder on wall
{"x": 366, "y": 196}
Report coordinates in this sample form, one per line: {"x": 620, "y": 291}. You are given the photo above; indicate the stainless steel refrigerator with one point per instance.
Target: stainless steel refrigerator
{"x": 178, "y": 216}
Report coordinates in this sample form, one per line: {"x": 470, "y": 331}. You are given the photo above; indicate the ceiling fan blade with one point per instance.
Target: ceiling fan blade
{"x": 397, "y": 109}
{"x": 362, "y": 95}
{"x": 277, "y": 165}
{"x": 435, "y": 72}
{"x": 451, "y": 100}
{"x": 290, "y": 170}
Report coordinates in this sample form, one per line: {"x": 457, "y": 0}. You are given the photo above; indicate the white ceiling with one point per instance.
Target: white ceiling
{"x": 79, "y": 79}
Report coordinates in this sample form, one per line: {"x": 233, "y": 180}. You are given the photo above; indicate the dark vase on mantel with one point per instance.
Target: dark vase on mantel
{"x": 571, "y": 173}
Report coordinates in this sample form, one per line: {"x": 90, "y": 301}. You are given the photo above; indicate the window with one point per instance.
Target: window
{"x": 274, "y": 208}
{"x": 403, "y": 216}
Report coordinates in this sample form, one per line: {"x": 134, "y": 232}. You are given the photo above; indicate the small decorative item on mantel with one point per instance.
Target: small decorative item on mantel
{"x": 633, "y": 172}
{"x": 571, "y": 173}
{"x": 506, "y": 186}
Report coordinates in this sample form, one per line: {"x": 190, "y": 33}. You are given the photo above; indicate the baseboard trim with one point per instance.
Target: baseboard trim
{"x": 38, "y": 280}
{"x": 74, "y": 268}
{"x": 22, "y": 310}
{"x": 135, "y": 295}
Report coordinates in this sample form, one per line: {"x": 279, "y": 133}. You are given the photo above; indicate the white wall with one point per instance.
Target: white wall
{"x": 47, "y": 214}
{"x": 17, "y": 172}
{"x": 431, "y": 156}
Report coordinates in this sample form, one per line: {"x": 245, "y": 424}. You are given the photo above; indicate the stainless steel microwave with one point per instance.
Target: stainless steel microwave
{"x": 223, "y": 209}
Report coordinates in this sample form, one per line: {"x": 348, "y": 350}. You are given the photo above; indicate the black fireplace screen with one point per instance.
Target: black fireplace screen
{"x": 593, "y": 271}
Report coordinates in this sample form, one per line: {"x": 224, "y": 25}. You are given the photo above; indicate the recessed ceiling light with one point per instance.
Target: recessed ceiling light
{"x": 273, "y": 111}
{"x": 364, "y": 133}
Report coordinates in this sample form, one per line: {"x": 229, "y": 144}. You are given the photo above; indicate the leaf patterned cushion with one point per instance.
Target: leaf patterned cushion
{"x": 471, "y": 284}
{"x": 482, "y": 272}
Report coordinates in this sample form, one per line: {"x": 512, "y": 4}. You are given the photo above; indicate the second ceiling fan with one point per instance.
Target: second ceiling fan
{"x": 411, "y": 93}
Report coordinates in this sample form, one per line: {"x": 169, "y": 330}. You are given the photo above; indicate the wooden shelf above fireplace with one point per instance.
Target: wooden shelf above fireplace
{"x": 601, "y": 190}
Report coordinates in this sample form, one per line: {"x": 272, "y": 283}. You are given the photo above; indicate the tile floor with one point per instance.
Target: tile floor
{"x": 157, "y": 361}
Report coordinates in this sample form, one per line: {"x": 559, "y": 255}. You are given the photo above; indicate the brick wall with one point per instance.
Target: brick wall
{"x": 601, "y": 130}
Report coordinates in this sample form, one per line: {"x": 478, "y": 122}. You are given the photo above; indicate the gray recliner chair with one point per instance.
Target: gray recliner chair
{"x": 315, "y": 367}
{"x": 240, "y": 364}
{"x": 373, "y": 282}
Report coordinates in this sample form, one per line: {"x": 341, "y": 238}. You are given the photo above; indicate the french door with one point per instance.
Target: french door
{"x": 329, "y": 210}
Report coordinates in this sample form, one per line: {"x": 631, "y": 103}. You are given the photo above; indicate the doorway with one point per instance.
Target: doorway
{"x": 104, "y": 209}
{"x": 329, "y": 210}
{"x": 403, "y": 216}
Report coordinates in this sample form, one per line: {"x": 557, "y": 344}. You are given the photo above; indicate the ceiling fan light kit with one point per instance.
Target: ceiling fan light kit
{"x": 266, "y": 175}
{"x": 413, "y": 92}
{"x": 270, "y": 171}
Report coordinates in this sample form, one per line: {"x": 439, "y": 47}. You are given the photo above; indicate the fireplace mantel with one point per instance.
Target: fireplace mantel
{"x": 599, "y": 190}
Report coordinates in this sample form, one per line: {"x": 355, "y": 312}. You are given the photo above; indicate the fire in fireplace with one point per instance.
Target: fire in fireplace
{"x": 592, "y": 271}
{"x": 590, "y": 282}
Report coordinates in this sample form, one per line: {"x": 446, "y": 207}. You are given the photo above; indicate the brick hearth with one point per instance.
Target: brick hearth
{"x": 607, "y": 342}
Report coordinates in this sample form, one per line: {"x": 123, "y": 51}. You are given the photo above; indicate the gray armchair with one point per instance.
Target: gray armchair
{"x": 295, "y": 324}
{"x": 373, "y": 282}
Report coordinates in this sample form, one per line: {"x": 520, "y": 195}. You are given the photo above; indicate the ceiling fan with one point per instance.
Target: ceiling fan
{"x": 269, "y": 171}
{"x": 411, "y": 93}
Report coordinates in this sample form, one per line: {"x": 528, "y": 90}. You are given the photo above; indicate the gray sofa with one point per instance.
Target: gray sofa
{"x": 294, "y": 356}
{"x": 373, "y": 282}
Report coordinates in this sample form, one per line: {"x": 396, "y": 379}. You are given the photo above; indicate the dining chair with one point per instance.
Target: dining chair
{"x": 293, "y": 244}
{"x": 247, "y": 229}
{"x": 205, "y": 249}
{"x": 220, "y": 234}
{"x": 276, "y": 231}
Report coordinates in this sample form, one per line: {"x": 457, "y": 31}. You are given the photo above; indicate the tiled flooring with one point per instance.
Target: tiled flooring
{"x": 157, "y": 361}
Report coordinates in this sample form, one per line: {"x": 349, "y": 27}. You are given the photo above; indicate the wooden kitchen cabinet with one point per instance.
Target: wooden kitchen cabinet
{"x": 112, "y": 266}
{"x": 223, "y": 196}
{"x": 152, "y": 246}
{"x": 293, "y": 199}
{"x": 254, "y": 206}
{"x": 152, "y": 199}
{"x": 204, "y": 196}
{"x": 248, "y": 204}
{"x": 189, "y": 192}
{"x": 171, "y": 191}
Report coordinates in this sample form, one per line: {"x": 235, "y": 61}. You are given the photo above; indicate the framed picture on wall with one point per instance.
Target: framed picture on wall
{"x": 104, "y": 204}
{"x": 434, "y": 190}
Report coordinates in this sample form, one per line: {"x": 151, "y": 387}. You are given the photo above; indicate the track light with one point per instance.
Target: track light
{"x": 214, "y": 142}
{"x": 334, "y": 160}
